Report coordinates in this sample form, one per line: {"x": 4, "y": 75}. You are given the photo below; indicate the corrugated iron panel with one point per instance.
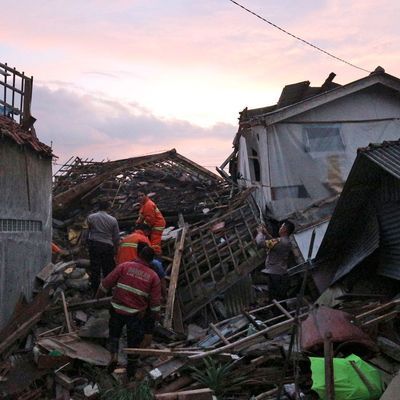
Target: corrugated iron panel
{"x": 354, "y": 231}
{"x": 359, "y": 246}
{"x": 386, "y": 155}
{"x": 239, "y": 296}
{"x": 390, "y": 189}
{"x": 389, "y": 221}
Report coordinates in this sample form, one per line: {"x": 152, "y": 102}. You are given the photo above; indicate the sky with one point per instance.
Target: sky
{"x": 117, "y": 79}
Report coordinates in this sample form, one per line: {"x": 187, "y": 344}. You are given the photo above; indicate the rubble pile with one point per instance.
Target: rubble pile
{"x": 220, "y": 335}
{"x": 180, "y": 186}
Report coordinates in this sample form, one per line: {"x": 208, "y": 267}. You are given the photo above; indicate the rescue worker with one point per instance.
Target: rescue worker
{"x": 128, "y": 247}
{"x": 128, "y": 250}
{"x": 277, "y": 259}
{"x": 137, "y": 289}
{"x": 149, "y": 214}
{"x": 103, "y": 240}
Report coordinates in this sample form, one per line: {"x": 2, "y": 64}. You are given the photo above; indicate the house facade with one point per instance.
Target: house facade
{"x": 299, "y": 152}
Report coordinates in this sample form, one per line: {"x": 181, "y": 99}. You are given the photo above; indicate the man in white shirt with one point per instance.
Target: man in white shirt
{"x": 103, "y": 241}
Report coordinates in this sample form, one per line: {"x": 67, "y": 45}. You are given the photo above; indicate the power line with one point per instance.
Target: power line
{"x": 298, "y": 38}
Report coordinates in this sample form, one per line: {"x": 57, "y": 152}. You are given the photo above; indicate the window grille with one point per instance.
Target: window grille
{"x": 20, "y": 225}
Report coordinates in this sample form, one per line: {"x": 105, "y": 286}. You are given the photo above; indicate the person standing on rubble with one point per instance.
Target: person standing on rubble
{"x": 137, "y": 289}
{"x": 150, "y": 215}
{"x": 277, "y": 259}
{"x": 103, "y": 241}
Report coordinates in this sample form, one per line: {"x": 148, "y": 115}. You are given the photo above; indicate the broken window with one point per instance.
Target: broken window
{"x": 322, "y": 138}
{"x": 283, "y": 192}
{"x": 255, "y": 170}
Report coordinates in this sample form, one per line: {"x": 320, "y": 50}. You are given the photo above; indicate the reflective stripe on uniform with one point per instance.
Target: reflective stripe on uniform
{"x": 158, "y": 308}
{"x": 124, "y": 308}
{"x": 129, "y": 245}
{"x": 132, "y": 290}
{"x": 158, "y": 228}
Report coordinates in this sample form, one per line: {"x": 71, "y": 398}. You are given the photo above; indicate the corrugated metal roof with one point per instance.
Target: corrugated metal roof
{"x": 357, "y": 227}
{"x": 10, "y": 129}
{"x": 386, "y": 155}
{"x": 389, "y": 221}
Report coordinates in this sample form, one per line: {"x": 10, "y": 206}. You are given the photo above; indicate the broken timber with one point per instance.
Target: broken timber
{"x": 169, "y": 311}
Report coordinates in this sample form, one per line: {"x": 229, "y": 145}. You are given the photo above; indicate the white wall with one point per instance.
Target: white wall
{"x": 286, "y": 164}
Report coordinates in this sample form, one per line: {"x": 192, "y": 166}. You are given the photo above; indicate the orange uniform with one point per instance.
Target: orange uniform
{"x": 151, "y": 216}
{"x": 127, "y": 250}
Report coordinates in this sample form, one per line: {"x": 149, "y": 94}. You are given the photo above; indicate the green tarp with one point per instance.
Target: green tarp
{"x": 348, "y": 383}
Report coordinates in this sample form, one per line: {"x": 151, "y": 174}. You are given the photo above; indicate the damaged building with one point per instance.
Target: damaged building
{"x": 211, "y": 219}
{"x": 362, "y": 241}
{"x": 297, "y": 153}
{"x": 25, "y": 195}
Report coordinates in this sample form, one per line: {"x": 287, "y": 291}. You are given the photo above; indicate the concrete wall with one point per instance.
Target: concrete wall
{"x": 25, "y": 222}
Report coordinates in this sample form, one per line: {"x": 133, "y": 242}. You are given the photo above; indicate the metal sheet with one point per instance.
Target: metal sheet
{"x": 367, "y": 215}
{"x": 389, "y": 221}
{"x": 387, "y": 156}
{"x": 303, "y": 238}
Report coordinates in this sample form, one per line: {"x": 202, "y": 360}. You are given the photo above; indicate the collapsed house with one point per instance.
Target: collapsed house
{"x": 25, "y": 195}
{"x": 210, "y": 219}
{"x": 297, "y": 153}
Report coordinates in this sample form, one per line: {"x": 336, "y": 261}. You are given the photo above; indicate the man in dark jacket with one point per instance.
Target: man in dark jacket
{"x": 277, "y": 259}
{"x": 103, "y": 241}
{"x": 137, "y": 289}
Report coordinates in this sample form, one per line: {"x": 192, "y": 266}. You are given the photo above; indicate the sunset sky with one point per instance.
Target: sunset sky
{"x": 115, "y": 79}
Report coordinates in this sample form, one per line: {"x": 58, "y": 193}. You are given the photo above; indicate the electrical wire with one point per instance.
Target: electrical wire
{"x": 299, "y": 38}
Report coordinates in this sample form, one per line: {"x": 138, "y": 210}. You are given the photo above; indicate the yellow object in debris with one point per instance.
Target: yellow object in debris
{"x": 73, "y": 236}
{"x": 271, "y": 243}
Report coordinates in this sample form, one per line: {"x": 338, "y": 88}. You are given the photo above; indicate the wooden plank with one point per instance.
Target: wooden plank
{"x": 20, "y": 332}
{"x": 161, "y": 352}
{"x": 219, "y": 333}
{"x": 196, "y": 394}
{"x": 82, "y": 305}
{"x": 282, "y": 309}
{"x": 67, "y": 320}
{"x": 169, "y": 311}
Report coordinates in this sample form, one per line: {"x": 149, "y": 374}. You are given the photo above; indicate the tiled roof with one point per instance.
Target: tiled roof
{"x": 291, "y": 94}
{"x": 10, "y": 129}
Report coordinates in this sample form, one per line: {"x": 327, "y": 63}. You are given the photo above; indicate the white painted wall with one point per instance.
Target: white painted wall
{"x": 285, "y": 162}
